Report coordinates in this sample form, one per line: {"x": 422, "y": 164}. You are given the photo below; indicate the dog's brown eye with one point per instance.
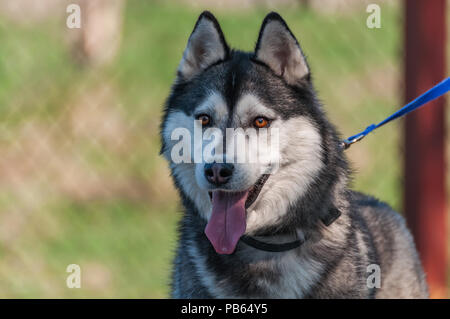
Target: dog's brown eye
{"x": 205, "y": 119}
{"x": 260, "y": 122}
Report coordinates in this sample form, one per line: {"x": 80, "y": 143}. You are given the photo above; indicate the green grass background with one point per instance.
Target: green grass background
{"x": 72, "y": 195}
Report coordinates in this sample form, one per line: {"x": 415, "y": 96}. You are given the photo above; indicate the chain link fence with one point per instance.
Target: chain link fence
{"x": 81, "y": 181}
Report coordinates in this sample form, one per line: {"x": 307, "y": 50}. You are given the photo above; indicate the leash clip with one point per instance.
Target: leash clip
{"x": 345, "y": 144}
{"x": 358, "y": 137}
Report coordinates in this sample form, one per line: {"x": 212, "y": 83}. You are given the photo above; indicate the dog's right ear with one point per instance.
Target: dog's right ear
{"x": 206, "y": 46}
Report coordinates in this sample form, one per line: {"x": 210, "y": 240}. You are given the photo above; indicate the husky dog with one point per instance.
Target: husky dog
{"x": 299, "y": 232}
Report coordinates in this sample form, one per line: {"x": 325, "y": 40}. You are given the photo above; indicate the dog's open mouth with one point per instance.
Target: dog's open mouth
{"x": 228, "y": 218}
{"x": 253, "y": 191}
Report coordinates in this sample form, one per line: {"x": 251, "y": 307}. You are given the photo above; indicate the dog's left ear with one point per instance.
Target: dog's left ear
{"x": 278, "y": 49}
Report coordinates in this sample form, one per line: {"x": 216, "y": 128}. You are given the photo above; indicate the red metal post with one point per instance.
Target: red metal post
{"x": 425, "y": 196}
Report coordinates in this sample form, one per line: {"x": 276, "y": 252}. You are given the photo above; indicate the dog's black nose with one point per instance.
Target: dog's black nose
{"x": 218, "y": 173}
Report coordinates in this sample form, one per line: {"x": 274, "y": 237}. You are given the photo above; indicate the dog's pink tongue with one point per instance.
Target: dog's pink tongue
{"x": 228, "y": 220}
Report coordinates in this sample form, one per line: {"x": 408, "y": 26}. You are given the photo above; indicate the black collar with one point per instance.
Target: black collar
{"x": 276, "y": 248}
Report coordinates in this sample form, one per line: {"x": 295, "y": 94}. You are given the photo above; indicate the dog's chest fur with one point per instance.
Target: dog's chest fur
{"x": 251, "y": 273}
{"x": 282, "y": 275}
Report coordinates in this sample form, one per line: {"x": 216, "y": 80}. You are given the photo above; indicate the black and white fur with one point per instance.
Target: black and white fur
{"x": 310, "y": 184}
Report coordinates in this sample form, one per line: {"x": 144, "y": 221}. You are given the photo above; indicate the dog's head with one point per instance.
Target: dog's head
{"x": 266, "y": 94}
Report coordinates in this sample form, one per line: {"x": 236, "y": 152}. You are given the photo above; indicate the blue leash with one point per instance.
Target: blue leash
{"x": 433, "y": 93}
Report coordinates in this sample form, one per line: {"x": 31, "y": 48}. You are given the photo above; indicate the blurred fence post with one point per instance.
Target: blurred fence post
{"x": 425, "y": 196}
{"x": 99, "y": 37}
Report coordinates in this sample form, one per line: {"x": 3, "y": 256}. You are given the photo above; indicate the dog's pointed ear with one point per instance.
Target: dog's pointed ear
{"x": 278, "y": 49}
{"x": 206, "y": 46}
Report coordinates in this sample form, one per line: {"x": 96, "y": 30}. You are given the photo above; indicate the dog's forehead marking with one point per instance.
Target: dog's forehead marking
{"x": 250, "y": 106}
{"x": 214, "y": 105}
